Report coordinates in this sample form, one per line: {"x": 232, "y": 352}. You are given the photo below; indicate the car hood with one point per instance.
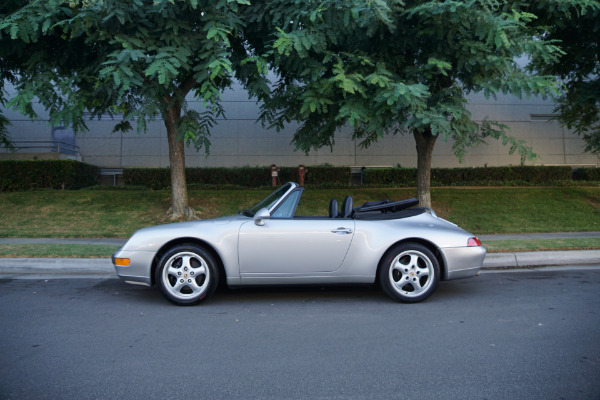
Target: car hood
{"x": 154, "y": 237}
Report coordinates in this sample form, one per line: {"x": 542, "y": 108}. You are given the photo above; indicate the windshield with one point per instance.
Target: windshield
{"x": 268, "y": 201}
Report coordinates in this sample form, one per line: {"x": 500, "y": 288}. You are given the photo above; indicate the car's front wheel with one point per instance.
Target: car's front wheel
{"x": 409, "y": 272}
{"x": 187, "y": 274}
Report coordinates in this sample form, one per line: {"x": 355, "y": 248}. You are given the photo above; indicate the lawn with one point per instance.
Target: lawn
{"x": 119, "y": 212}
{"x": 522, "y": 210}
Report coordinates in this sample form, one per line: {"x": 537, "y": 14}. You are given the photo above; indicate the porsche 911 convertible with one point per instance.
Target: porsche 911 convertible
{"x": 404, "y": 248}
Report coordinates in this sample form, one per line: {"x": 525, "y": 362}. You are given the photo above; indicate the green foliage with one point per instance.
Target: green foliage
{"x": 579, "y": 109}
{"x": 485, "y": 176}
{"x": 320, "y": 175}
{"x": 51, "y": 174}
{"x": 575, "y": 27}
{"x": 504, "y": 246}
{"x": 135, "y": 59}
{"x": 250, "y": 177}
{"x": 587, "y": 174}
{"x": 391, "y": 67}
{"x": 5, "y": 140}
{"x": 153, "y": 178}
{"x": 328, "y": 177}
{"x": 56, "y": 250}
{"x": 127, "y": 57}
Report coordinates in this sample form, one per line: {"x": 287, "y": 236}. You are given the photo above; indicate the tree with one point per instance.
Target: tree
{"x": 576, "y": 28}
{"x": 390, "y": 67}
{"x": 135, "y": 58}
{"x": 5, "y": 74}
{"x": 5, "y": 140}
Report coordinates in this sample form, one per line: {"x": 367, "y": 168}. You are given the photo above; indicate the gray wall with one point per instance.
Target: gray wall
{"x": 240, "y": 141}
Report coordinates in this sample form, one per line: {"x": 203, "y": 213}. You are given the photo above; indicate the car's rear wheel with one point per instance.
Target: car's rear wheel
{"x": 410, "y": 272}
{"x": 187, "y": 274}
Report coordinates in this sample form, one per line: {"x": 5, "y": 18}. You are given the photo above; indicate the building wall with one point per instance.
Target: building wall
{"x": 239, "y": 140}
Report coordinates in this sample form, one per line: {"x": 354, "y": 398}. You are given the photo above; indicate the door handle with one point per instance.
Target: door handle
{"x": 347, "y": 231}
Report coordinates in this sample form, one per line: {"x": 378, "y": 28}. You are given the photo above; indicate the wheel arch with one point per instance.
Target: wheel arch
{"x": 188, "y": 240}
{"x": 436, "y": 251}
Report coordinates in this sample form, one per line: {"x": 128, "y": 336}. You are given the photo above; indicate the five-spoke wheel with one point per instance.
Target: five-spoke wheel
{"x": 187, "y": 274}
{"x": 409, "y": 273}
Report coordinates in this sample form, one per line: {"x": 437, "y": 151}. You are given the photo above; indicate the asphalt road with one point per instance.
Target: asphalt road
{"x": 518, "y": 334}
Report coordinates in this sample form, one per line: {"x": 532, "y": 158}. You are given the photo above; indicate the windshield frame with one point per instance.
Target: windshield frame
{"x": 272, "y": 201}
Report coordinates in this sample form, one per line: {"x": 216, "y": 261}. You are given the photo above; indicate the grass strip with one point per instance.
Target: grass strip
{"x": 98, "y": 251}
{"x": 503, "y": 246}
{"x": 56, "y": 250}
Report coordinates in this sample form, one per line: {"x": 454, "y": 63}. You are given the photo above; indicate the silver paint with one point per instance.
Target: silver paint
{"x": 267, "y": 250}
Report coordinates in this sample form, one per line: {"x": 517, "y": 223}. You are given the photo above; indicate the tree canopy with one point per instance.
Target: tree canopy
{"x": 379, "y": 66}
{"x": 576, "y": 29}
{"x": 390, "y": 67}
{"x": 132, "y": 58}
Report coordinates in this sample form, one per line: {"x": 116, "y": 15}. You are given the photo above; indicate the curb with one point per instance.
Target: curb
{"x": 88, "y": 267}
{"x": 52, "y": 267}
{"x": 540, "y": 258}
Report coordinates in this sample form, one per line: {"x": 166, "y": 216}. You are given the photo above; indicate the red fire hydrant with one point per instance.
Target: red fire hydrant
{"x": 274, "y": 174}
{"x": 301, "y": 172}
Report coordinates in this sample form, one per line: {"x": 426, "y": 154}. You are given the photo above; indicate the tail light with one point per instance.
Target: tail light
{"x": 473, "y": 242}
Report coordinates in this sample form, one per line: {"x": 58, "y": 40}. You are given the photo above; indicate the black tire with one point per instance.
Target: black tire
{"x": 187, "y": 275}
{"x": 409, "y": 272}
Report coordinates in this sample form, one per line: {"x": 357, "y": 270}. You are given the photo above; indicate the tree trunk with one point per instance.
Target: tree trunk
{"x": 425, "y": 143}
{"x": 179, "y": 197}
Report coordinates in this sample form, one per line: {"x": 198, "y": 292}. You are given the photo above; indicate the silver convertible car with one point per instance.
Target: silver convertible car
{"x": 404, "y": 248}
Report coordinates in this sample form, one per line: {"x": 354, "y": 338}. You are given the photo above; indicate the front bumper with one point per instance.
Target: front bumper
{"x": 139, "y": 271}
{"x": 462, "y": 262}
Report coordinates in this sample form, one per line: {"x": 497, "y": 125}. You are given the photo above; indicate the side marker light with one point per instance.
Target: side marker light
{"x": 123, "y": 262}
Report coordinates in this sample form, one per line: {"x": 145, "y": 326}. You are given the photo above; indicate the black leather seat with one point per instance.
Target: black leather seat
{"x": 346, "y": 210}
{"x": 333, "y": 208}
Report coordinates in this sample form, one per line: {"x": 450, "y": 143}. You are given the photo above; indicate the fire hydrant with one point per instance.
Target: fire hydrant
{"x": 301, "y": 172}
{"x": 274, "y": 174}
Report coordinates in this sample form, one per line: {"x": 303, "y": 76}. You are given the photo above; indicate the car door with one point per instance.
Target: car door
{"x": 294, "y": 246}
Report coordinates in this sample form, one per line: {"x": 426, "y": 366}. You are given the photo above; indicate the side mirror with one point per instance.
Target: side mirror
{"x": 263, "y": 213}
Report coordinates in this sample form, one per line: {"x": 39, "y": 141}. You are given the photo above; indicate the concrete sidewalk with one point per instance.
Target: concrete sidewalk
{"x": 64, "y": 267}
{"x": 541, "y": 259}
{"x": 47, "y": 268}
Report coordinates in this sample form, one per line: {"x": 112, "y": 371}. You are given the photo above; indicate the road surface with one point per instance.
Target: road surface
{"x": 517, "y": 334}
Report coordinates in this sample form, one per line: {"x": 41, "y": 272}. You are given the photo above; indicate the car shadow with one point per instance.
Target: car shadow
{"x": 115, "y": 288}
{"x": 446, "y": 291}
{"x": 258, "y": 294}
{"x": 299, "y": 294}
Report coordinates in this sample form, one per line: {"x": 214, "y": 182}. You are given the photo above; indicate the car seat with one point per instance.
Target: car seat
{"x": 346, "y": 211}
{"x": 333, "y": 208}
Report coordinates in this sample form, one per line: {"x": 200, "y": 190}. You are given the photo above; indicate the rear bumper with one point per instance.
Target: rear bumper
{"x": 462, "y": 262}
